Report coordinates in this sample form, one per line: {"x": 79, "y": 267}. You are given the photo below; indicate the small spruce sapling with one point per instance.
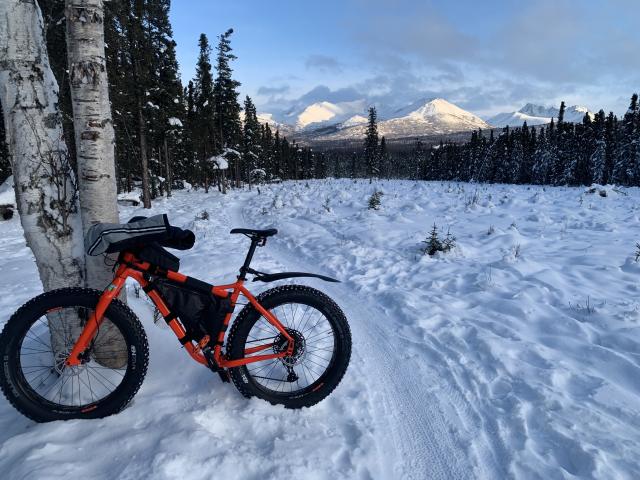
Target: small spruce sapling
{"x": 433, "y": 244}
{"x": 449, "y": 242}
{"x": 375, "y": 200}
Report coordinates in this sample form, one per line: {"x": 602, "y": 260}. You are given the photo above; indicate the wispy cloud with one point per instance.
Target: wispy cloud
{"x": 323, "y": 63}
{"x": 275, "y": 90}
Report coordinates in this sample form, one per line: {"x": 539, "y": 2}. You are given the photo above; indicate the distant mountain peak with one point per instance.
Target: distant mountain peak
{"x": 324, "y": 112}
{"x": 424, "y": 117}
{"x": 538, "y": 115}
{"x": 538, "y": 110}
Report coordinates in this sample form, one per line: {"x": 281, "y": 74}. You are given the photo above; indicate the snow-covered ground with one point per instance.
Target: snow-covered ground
{"x": 515, "y": 355}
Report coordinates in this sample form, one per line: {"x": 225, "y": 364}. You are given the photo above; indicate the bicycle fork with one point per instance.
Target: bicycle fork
{"x": 94, "y": 321}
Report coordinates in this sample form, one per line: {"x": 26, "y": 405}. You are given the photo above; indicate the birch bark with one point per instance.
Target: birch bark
{"x": 93, "y": 124}
{"x": 44, "y": 183}
{"x": 43, "y": 178}
{"x": 94, "y": 138}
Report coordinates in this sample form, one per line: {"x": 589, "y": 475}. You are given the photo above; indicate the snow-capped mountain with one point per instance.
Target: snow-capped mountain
{"x": 575, "y": 114}
{"x": 538, "y": 115}
{"x": 424, "y": 117}
{"x": 353, "y": 121}
{"x": 326, "y": 120}
{"x": 324, "y": 113}
{"x": 273, "y": 124}
{"x": 533, "y": 110}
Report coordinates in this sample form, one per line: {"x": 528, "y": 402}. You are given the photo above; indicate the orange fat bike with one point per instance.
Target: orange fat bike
{"x": 82, "y": 353}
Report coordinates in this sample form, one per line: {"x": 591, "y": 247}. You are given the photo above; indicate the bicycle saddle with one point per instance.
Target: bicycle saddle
{"x": 269, "y": 232}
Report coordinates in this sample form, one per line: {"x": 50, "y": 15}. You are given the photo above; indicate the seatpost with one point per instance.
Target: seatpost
{"x": 247, "y": 260}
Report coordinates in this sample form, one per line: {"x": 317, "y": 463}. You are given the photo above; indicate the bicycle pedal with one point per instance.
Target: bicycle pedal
{"x": 207, "y": 351}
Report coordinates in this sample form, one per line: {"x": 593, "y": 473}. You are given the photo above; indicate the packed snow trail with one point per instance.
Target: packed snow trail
{"x": 405, "y": 401}
{"x": 526, "y": 334}
{"x": 514, "y": 356}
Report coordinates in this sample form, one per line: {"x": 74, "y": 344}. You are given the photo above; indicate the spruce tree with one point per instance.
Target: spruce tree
{"x": 561, "y": 114}
{"x": 422, "y": 170}
{"x": 203, "y": 119}
{"x": 625, "y": 170}
{"x": 559, "y": 145}
{"x": 188, "y": 165}
{"x": 527, "y": 147}
{"x": 383, "y": 156}
{"x": 122, "y": 90}
{"x": 227, "y": 108}
{"x": 266, "y": 153}
{"x": 371, "y": 149}
{"x": 598, "y": 157}
{"x": 165, "y": 92}
{"x": 250, "y": 139}
{"x": 542, "y": 160}
{"x": 610, "y": 129}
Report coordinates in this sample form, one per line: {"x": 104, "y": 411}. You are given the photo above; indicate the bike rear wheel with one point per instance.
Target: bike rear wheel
{"x": 36, "y": 341}
{"x": 322, "y": 347}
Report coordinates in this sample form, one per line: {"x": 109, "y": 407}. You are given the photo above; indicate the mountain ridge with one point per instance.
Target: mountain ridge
{"x": 346, "y": 120}
{"x": 324, "y": 120}
{"x": 538, "y": 115}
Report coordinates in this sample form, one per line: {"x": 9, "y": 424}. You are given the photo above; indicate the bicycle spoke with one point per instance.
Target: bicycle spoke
{"x": 44, "y": 349}
{"x": 314, "y": 335}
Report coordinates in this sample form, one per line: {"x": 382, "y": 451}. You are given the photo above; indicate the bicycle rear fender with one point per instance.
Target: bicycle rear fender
{"x": 272, "y": 277}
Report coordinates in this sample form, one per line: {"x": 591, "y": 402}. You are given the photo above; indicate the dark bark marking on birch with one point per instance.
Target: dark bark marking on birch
{"x": 90, "y": 135}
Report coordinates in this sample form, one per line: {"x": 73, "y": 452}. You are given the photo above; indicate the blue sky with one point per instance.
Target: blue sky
{"x": 486, "y": 56}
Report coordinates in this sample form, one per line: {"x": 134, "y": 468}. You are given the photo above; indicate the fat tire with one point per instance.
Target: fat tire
{"x": 271, "y": 299}
{"x": 20, "y": 322}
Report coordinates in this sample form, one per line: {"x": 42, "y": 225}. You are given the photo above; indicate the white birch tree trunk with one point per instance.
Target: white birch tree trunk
{"x": 44, "y": 183}
{"x": 94, "y": 136}
{"x": 93, "y": 124}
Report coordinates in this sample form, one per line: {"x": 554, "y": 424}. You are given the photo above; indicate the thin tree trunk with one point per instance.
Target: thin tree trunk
{"x": 144, "y": 161}
{"x": 167, "y": 168}
{"x": 44, "y": 183}
{"x": 94, "y": 131}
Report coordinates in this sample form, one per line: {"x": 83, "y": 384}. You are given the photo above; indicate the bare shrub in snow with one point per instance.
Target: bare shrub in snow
{"x": 585, "y": 309}
{"x": 491, "y": 230}
{"x": 449, "y": 242}
{"x": 637, "y": 251}
{"x": 203, "y": 215}
{"x": 472, "y": 200}
{"x": 515, "y": 250}
{"x": 326, "y": 205}
{"x": 277, "y": 202}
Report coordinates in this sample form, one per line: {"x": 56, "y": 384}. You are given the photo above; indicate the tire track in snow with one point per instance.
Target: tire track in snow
{"x": 421, "y": 412}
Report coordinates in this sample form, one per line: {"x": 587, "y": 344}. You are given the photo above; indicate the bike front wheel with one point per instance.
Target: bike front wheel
{"x": 322, "y": 347}
{"x": 37, "y": 340}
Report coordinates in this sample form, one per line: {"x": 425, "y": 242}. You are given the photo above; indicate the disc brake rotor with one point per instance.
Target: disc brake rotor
{"x": 299, "y": 347}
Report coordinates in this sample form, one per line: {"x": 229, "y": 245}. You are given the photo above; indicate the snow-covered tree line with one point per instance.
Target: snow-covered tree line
{"x": 164, "y": 132}
{"x": 604, "y": 149}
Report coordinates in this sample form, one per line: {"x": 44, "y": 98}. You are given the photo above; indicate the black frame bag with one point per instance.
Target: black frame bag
{"x": 201, "y": 313}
